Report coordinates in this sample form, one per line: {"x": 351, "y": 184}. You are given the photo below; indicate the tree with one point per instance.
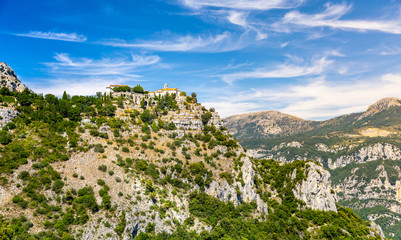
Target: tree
{"x": 5, "y": 91}
{"x": 65, "y": 96}
{"x": 5, "y": 138}
{"x": 137, "y": 89}
{"x": 147, "y": 117}
{"x": 51, "y": 99}
{"x": 193, "y": 95}
{"x": 122, "y": 89}
{"x": 206, "y": 117}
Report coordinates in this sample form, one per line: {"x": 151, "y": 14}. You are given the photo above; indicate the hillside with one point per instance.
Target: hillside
{"x": 133, "y": 164}
{"x": 361, "y": 151}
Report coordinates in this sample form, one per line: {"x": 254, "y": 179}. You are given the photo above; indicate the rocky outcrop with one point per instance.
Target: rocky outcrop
{"x": 376, "y": 230}
{"x": 7, "y": 114}
{"x": 223, "y": 191}
{"x": 188, "y": 123}
{"x": 9, "y": 79}
{"x": 366, "y": 154}
{"x": 248, "y": 190}
{"x": 316, "y": 190}
{"x": 226, "y": 192}
{"x": 290, "y": 144}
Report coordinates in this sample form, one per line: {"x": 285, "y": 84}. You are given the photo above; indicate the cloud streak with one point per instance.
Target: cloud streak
{"x": 219, "y": 43}
{"x": 243, "y": 4}
{"x": 331, "y": 18}
{"x": 287, "y": 70}
{"x": 69, "y": 37}
{"x": 103, "y": 67}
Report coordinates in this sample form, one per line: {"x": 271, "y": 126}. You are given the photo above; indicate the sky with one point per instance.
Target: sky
{"x": 309, "y": 58}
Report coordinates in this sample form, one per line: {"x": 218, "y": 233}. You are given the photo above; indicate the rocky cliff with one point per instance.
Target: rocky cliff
{"x": 9, "y": 79}
{"x": 316, "y": 189}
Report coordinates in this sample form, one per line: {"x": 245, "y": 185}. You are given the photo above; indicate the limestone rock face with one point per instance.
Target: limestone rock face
{"x": 248, "y": 191}
{"x": 316, "y": 190}
{"x": 9, "y": 79}
{"x": 366, "y": 154}
{"x": 223, "y": 191}
{"x": 226, "y": 192}
{"x": 7, "y": 114}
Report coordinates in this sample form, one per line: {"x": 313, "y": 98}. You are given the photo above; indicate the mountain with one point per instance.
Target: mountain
{"x": 146, "y": 165}
{"x": 266, "y": 124}
{"x": 361, "y": 151}
{"x": 9, "y": 79}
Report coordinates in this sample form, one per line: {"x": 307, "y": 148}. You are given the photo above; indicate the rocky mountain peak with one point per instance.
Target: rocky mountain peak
{"x": 269, "y": 123}
{"x": 385, "y": 103}
{"x": 380, "y": 105}
{"x": 9, "y": 79}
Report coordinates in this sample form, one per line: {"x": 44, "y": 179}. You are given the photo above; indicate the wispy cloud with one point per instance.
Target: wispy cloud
{"x": 388, "y": 51}
{"x": 85, "y": 76}
{"x": 287, "y": 70}
{"x": 317, "y": 99}
{"x": 69, "y": 37}
{"x": 103, "y": 67}
{"x": 189, "y": 43}
{"x": 241, "y": 19}
{"x": 331, "y": 18}
{"x": 243, "y": 4}
{"x": 239, "y": 12}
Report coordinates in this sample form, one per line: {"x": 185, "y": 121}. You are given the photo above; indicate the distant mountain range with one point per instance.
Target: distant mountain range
{"x": 273, "y": 124}
{"x": 361, "y": 150}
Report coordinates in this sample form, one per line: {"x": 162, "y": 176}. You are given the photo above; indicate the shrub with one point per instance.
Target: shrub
{"x": 24, "y": 175}
{"x": 103, "y": 168}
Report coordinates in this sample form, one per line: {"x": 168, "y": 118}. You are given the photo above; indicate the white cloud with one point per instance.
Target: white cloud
{"x": 69, "y": 37}
{"x": 243, "y": 4}
{"x": 287, "y": 70}
{"x": 85, "y": 76}
{"x": 218, "y": 43}
{"x": 240, "y": 19}
{"x": 330, "y": 17}
{"x": 102, "y": 67}
{"x": 317, "y": 99}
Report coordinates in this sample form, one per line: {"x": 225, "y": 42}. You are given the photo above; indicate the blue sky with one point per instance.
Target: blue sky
{"x": 313, "y": 59}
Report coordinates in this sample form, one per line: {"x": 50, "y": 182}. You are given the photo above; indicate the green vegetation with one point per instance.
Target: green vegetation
{"x": 122, "y": 89}
{"x": 49, "y": 130}
{"x": 138, "y": 89}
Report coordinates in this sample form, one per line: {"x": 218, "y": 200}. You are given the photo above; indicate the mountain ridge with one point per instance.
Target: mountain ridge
{"x": 297, "y": 125}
